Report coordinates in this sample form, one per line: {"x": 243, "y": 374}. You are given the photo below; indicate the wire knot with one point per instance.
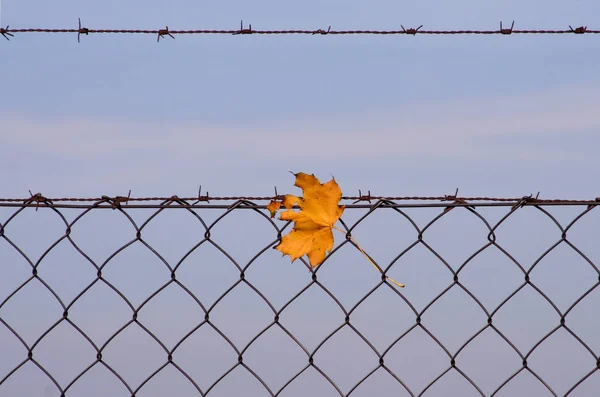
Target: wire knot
{"x": 579, "y": 30}
{"x": 200, "y": 197}
{"x": 204, "y": 198}
{"x": 412, "y": 31}
{"x": 37, "y": 199}
{"x": 457, "y": 200}
{"x": 321, "y": 31}
{"x": 116, "y": 201}
{"x": 244, "y": 31}
{"x": 527, "y": 200}
{"x": 507, "y": 31}
{"x": 4, "y": 32}
{"x": 453, "y": 197}
{"x": 164, "y": 32}
{"x": 277, "y": 195}
{"x": 81, "y": 30}
{"x": 362, "y": 197}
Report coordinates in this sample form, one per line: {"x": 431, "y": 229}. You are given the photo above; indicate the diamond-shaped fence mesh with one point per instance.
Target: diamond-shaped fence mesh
{"x": 126, "y": 299}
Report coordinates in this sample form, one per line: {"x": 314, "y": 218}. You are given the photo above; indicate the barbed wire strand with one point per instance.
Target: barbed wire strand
{"x": 37, "y": 199}
{"x": 160, "y": 33}
{"x": 360, "y": 197}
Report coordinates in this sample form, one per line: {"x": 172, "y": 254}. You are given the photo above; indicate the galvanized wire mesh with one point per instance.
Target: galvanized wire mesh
{"x": 349, "y": 356}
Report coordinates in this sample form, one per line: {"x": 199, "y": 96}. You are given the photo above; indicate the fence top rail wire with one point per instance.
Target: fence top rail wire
{"x": 360, "y": 201}
{"x": 163, "y": 32}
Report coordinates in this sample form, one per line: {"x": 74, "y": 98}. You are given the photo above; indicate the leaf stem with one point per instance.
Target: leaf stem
{"x": 368, "y": 258}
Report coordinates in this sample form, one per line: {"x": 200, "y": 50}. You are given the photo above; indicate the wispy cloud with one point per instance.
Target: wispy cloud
{"x": 467, "y": 129}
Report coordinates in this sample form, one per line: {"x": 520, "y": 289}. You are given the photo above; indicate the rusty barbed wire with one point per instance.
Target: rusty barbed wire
{"x": 162, "y": 32}
{"x": 451, "y": 199}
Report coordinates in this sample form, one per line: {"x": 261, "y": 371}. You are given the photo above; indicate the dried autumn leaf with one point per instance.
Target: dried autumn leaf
{"x": 273, "y": 207}
{"x": 319, "y": 211}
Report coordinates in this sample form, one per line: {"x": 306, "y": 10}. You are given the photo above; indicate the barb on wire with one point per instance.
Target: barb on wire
{"x": 528, "y": 200}
{"x": 115, "y": 202}
{"x": 451, "y": 197}
{"x": 362, "y": 197}
{"x": 579, "y": 30}
{"x": 4, "y": 32}
{"x": 164, "y": 32}
{"x": 321, "y": 31}
{"x": 244, "y": 31}
{"x": 200, "y": 197}
{"x": 412, "y": 31}
{"x": 277, "y": 195}
{"x": 81, "y": 30}
{"x": 457, "y": 201}
{"x": 507, "y": 31}
{"x": 37, "y": 199}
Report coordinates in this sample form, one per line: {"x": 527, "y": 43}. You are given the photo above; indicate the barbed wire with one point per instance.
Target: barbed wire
{"x": 37, "y": 199}
{"x": 163, "y": 32}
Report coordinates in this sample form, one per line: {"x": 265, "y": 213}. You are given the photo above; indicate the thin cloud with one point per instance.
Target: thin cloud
{"x": 466, "y": 129}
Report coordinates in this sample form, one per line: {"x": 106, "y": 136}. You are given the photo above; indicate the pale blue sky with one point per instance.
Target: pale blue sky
{"x": 399, "y": 115}
{"x": 501, "y": 115}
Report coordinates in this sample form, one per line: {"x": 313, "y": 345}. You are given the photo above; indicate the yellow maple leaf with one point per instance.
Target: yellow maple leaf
{"x": 312, "y": 234}
{"x": 319, "y": 211}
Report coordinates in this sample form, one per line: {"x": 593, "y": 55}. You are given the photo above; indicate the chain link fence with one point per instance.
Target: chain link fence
{"x": 126, "y": 299}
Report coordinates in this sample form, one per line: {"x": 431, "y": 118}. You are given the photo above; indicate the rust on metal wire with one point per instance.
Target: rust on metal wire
{"x": 362, "y": 197}
{"x": 38, "y": 199}
{"x": 412, "y": 31}
{"x": 321, "y": 31}
{"x": 457, "y": 201}
{"x": 115, "y": 202}
{"x": 164, "y": 32}
{"x": 507, "y": 31}
{"x": 277, "y": 195}
{"x": 444, "y": 201}
{"x": 527, "y": 200}
{"x": 242, "y": 30}
{"x": 4, "y": 32}
{"x": 579, "y": 30}
{"x": 81, "y": 30}
{"x": 200, "y": 197}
